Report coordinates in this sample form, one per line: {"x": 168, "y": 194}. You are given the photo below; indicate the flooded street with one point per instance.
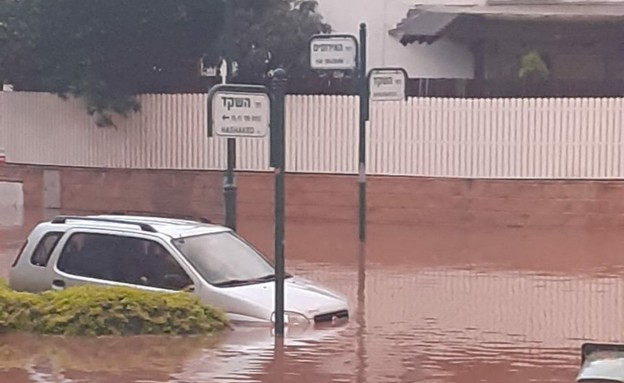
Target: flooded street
{"x": 446, "y": 304}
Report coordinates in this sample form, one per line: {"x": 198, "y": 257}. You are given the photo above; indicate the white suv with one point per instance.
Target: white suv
{"x": 601, "y": 362}
{"x": 163, "y": 254}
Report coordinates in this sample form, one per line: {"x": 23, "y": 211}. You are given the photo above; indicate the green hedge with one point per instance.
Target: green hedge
{"x": 96, "y": 311}
{"x": 17, "y": 310}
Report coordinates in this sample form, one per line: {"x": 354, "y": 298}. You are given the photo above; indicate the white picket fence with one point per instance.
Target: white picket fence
{"x": 489, "y": 138}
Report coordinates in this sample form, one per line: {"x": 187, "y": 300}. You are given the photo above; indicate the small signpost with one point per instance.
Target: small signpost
{"x": 239, "y": 111}
{"x": 333, "y": 52}
{"x": 387, "y": 84}
{"x": 345, "y": 53}
{"x": 253, "y": 111}
{"x": 236, "y": 111}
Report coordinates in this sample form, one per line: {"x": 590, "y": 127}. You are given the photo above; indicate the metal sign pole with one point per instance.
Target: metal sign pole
{"x": 229, "y": 183}
{"x": 279, "y": 83}
{"x": 364, "y": 114}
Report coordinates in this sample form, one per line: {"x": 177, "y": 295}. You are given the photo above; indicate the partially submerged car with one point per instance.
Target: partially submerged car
{"x": 163, "y": 254}
{"x": 601, "y": 363}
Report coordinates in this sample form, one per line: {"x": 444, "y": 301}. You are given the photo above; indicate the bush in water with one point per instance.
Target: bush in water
{"x": 96, "y": 311}
{"x": 17, "y": 310}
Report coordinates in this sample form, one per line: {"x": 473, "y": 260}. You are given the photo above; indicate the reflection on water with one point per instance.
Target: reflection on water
{"x": 360, "y": 315}
{"x": 428, "y": 305}
{"x": 239, "y": 355}
{"x": 57, "y": 356}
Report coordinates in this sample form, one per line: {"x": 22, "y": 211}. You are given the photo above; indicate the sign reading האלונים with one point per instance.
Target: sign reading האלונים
{"x": 333, "y": 52}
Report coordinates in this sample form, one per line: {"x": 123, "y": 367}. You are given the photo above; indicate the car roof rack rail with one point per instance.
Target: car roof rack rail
{"x": 163, "y": 215}
{"x": 142, "y": 226}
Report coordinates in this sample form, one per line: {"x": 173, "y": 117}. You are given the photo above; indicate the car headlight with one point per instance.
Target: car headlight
{"x": 293, "y": 319}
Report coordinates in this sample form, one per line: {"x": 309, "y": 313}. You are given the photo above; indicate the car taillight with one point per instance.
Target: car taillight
{"x": 19, "y": 254}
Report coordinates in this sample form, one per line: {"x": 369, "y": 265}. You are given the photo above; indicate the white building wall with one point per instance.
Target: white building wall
{"x": 443, "y": 59}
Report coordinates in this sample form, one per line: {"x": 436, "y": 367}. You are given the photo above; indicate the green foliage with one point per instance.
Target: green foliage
{"x": 105, "y": 51}
{"x": 267, "y": 34}
{"x": 96, "y": 311}
{"x": 17, "y": 310}
{"x": 532, "y": 66}
{"x": 108, "y": 51}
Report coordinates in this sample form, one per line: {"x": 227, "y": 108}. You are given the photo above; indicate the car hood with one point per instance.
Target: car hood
{"x": 300, "y": 296}
{"x": 611, "y": 370}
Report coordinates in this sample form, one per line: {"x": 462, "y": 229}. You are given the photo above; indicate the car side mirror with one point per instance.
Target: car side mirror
{"x": 189, "y": 289}
{"x": 178, "y": 282}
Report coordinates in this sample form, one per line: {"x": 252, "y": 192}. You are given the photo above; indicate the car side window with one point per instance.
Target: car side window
{"x": 19, "y": 255}
{"x": 44, "y": 249}
{"x": 122, "y": 259}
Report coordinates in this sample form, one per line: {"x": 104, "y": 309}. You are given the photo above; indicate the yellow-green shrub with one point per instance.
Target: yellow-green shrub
{"x": 95, "y": 311}
{"x": 17, "y": 310}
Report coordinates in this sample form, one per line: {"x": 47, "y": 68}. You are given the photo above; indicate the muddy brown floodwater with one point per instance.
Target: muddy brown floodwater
{"x": 448, "y": 305}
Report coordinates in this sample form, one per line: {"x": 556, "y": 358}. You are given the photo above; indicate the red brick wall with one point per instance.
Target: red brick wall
{"x": 32, "y": 180}
{"x": 512, "y": 203}
{"x": 184, "y": 192}
{"x": 392, "y": 200}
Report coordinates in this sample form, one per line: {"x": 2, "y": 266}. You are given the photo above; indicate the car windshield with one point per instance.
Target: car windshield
{"x": 224, "y": 259}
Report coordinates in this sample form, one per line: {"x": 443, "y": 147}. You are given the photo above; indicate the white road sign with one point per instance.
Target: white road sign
{"x": 240, "y": 114}
{"x": 333, "y": 53}
{"x": 387, "y": 84}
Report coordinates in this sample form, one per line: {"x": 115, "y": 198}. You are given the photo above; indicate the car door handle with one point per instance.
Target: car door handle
{"x": 58, "y": 284}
